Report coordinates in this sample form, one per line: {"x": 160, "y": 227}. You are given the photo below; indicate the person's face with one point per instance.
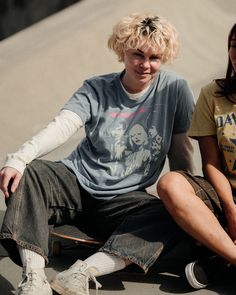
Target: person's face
{"x": 232, "y": 52}
{"x": 118, "y": 132}
{"x": 137, "y": 135}
{"x": 140, "y": 68}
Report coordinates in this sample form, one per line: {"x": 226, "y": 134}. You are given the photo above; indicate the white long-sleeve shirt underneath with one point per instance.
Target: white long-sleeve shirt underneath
{"x": 54, "y": 135}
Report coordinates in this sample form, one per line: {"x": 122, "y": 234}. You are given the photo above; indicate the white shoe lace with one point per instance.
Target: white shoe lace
{"x": 79, "y": 280}
{"x": 97, "y": 284}
{"x": 27, "y": 284}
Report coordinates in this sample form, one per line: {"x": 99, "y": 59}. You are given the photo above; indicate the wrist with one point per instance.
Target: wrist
{"x": 15, "y": 162}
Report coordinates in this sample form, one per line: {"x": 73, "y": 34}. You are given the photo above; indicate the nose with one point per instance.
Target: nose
{"x": 145, "y": 63}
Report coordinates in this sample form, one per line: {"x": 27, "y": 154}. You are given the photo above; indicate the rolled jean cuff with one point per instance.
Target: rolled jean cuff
{"x": 10, "y": 243}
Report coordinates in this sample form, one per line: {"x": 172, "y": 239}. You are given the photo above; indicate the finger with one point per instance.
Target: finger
{"x": 6, "y": 193}
{"x": 4, "y": 185}
{"x": 15, "y": 183}
{"x": 1, "y": 178}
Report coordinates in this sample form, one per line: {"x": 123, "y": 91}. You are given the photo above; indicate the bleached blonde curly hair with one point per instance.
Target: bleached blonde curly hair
{"x": 144, "y": 30}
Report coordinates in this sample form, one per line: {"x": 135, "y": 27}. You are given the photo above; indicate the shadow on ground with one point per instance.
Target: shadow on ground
{"x": 6, "y": 286}
{"x": 168, "y": 273}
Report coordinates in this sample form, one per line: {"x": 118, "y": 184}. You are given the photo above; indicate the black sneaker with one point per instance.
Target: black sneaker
{"x": 202, "y": 272}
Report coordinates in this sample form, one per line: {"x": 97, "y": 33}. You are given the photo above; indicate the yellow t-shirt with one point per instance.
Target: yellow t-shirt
{"x": 216, "y": 115}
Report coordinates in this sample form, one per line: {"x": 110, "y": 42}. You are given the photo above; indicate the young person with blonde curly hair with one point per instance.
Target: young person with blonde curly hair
{"x": 98, "y": 185}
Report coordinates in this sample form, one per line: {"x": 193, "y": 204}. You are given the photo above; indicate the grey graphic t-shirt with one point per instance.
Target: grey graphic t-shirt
{"x": 126, "y": 140}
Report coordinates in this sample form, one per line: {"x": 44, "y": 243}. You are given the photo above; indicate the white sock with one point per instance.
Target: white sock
{"x": 30, "y": 258}
{"x": 104, "y": 263}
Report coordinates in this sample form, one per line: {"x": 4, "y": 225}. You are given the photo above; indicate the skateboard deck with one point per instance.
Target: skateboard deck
{"x": 74, "y": 234}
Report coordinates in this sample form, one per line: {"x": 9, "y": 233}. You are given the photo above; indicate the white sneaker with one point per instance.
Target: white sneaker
{"x": 34, "y": 282}
{"x": 75, "y": 280}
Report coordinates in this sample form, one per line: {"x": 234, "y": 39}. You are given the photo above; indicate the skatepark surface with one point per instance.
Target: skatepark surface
{"x": 41, "y": 67}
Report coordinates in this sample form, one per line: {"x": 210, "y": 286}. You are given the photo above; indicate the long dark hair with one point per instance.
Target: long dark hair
{"x": 228, "y": 84}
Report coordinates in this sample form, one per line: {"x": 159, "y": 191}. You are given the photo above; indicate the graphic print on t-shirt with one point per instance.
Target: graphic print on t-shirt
{"x": 133, "y": 146}
{"x": 226, "y": 125}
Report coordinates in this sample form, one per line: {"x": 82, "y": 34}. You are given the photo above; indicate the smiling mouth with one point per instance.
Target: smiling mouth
{"x": 142, "y": 74}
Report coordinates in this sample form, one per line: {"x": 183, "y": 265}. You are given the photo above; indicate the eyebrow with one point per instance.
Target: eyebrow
{"x": 155, "y": 55}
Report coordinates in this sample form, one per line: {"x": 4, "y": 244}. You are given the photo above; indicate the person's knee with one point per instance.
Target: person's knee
{"x": 169, "y": 185}
{"x": 36, "y": 170}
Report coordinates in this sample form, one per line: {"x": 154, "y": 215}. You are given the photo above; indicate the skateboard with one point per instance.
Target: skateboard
{"x": 73, "y": 234}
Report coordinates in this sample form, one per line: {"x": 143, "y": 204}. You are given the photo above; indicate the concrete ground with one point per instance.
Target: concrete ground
{"x": 165, "y": 278}
{"x": 43, "y": 65}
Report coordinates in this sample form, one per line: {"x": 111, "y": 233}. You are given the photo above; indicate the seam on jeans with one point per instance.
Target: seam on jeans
{"x": 52, "y": 187}
{"x": 58, "y": 185}
{"x": 59, "y": 192}
{"x": 152, "y": 259}
{"x": 17, "y": 210}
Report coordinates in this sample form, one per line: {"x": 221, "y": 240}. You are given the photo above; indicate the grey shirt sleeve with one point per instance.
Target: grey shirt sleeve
{"x": 180, "y": 154}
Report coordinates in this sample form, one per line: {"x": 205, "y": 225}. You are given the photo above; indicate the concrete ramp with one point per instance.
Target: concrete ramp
{"x": 43, "y": 65}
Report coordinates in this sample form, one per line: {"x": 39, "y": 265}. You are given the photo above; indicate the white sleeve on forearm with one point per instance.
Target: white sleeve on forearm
{"x": 180, "y": 154}
{"x": 55, "y": 134}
